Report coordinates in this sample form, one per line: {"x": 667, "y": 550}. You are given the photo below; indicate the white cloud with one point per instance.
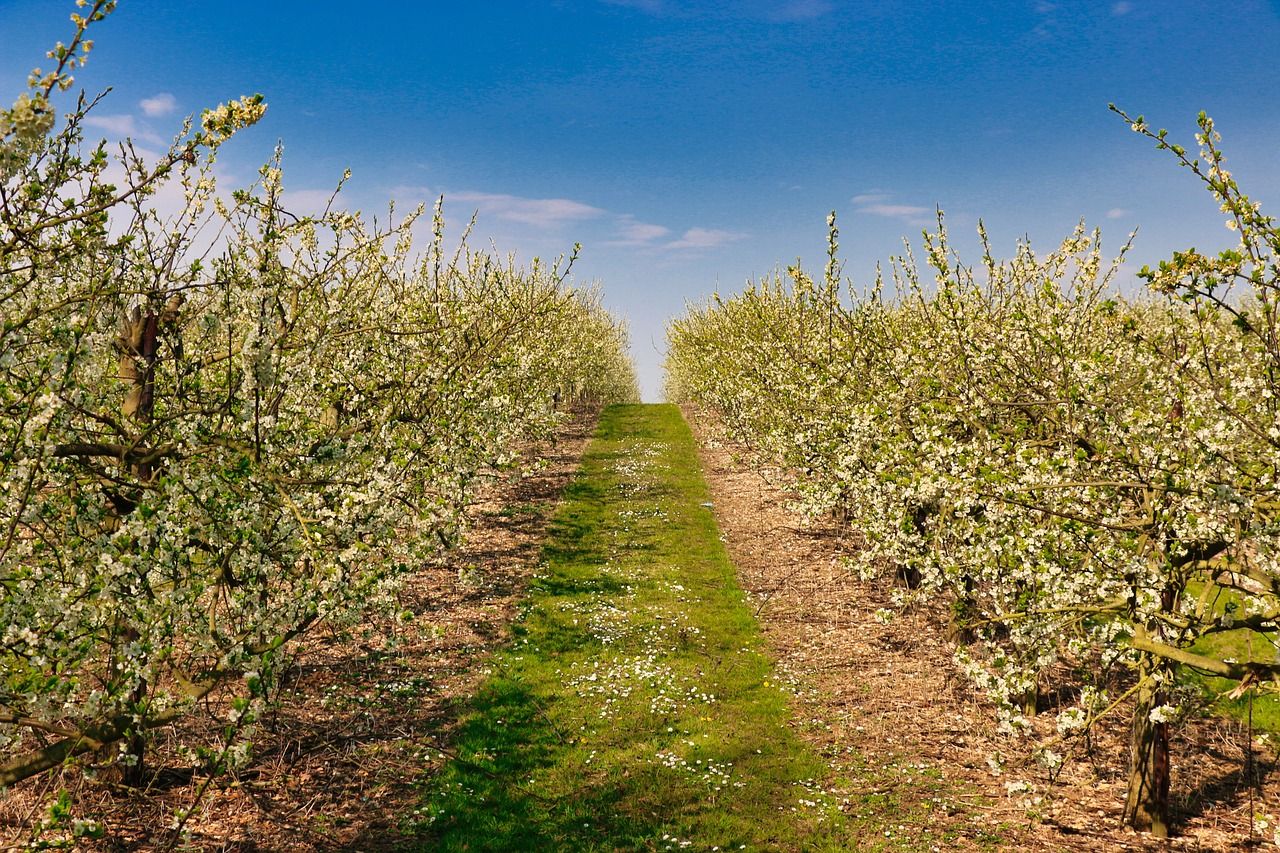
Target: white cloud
{"x": 1121, "y": 8}
{"x": 308, "y": 202}
{"x": 413, "y": 194}
{"x": 542, "y": 212}
{"x": 169, "y": 201}
{"x": 895, "y": 211}
{"x": 116, "y": 125}
{"x": 1117, "y": 213}
{"x": 644, "y": 231}
{"x": 870, "y": 197}
{"x": 158, "y": 105}
{"x": 122, "y": 126}
{"x": 705, "y": 238}
{"x": 877, "y": 203}
{"x": 632, "y": 232}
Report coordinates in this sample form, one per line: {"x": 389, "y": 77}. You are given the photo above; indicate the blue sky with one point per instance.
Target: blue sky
{"x": 691, "y": 145}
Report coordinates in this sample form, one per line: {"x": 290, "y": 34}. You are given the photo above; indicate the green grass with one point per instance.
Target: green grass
{"x": 1238, "y": 645}
{"x": 634, "y": 709}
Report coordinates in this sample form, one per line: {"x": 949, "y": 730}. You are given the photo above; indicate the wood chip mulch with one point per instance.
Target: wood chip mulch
{"x": 885, "y": 703}
{"x": 363, "y": 714}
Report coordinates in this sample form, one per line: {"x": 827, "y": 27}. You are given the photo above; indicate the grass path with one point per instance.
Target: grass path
{"x": 634, "y": 708}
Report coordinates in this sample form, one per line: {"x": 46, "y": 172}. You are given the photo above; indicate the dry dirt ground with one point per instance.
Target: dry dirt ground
{"x": 362, "y": 717}
{"x": 363, "y": 713}
{"x": 868, "y": 693}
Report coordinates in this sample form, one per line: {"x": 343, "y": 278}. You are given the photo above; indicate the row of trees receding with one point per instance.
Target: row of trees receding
{"x": 1078, "y": 475}
{"x": 223, "y": 425}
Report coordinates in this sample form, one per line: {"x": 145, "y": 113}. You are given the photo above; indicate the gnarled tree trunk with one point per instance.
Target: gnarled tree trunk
{"x": 1146, "y": 807}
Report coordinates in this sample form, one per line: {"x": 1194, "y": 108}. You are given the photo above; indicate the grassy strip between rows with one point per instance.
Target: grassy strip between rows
{"x": 635, "y": 707}
{"x": 1261, "y": 647}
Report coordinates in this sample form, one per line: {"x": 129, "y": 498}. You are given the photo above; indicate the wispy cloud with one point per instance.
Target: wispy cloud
{"x": 801, "y": 10}
{"x": 116, "y": 125}
{"x": 872, "y": 197}
{"x": 414, "y": 193}
{"x": 906, "y": 212}
{"x": 767, "y": 10}
{"x": 540, "y": 212}
{"x": 652, "y": 7}
{"x": 307, "y": 202}
{"x": 878, "y": 203}
{"x": 705, "y": 238}
{"x": 1117, "y": 213}
{"x": 632, "y": 232}
{"x": 122, "y": 126}
{"x": 546, "y": 213}
{"x": 158, "y": 105}
{"x": 1121, "y": 8}
{"x": 1044, "y": 28}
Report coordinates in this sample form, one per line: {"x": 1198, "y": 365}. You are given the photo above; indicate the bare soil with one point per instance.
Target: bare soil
{"x": 362, "y": 714}
{"x": 869, "y": 694}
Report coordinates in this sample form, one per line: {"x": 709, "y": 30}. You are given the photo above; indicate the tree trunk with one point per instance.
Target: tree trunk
{"x": 138, "y": 345}
{"x": 134, "y": 774}
{"x": 1031, "y": 701}
{"x": 1147, "y": 806}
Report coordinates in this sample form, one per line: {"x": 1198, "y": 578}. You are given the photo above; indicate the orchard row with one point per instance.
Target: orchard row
{"x": 1078, "y": 476}
{"x": 223, "y": 423}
